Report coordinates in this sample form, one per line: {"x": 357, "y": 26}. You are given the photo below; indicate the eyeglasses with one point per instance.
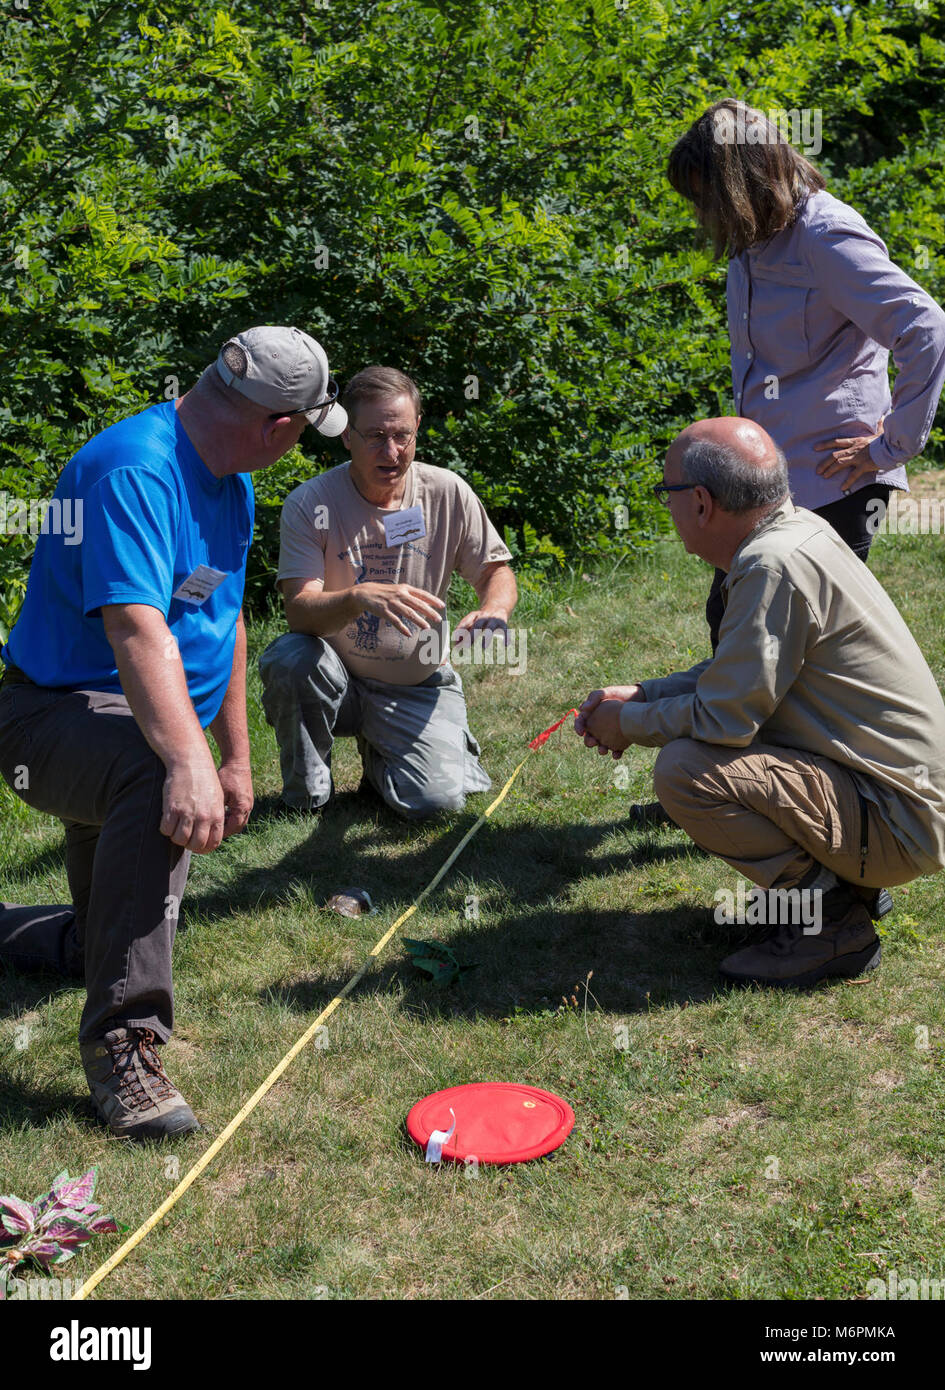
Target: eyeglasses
{"x": 661, "y": 491}
{"x": 319, "y": 405}
{"x": 377, "y": 439}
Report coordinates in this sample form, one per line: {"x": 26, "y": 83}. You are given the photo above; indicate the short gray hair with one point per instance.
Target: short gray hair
{"x": 735, "y": 483}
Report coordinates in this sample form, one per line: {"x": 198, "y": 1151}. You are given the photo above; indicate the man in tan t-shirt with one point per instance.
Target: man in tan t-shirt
{"x": 367, "y": 553}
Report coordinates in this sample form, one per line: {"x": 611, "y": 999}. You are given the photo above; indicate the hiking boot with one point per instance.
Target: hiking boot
{"x": 786, "y": 957}
{"x": 649, "y": 815}
{"x": 130, "y": 1089}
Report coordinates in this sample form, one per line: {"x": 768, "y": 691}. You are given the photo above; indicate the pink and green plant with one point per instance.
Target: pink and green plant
{"x": 50, "y": 1230}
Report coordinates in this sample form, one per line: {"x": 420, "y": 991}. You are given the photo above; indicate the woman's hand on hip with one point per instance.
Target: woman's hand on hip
{"x": 851, "y": 454}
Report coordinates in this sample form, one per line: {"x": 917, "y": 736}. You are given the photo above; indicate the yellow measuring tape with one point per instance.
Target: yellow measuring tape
{"x": 191, "y": 1177}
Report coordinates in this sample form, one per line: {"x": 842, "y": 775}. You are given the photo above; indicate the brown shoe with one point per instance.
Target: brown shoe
{"x": 130, "y": 1089}
{"x": 786, "y": 957}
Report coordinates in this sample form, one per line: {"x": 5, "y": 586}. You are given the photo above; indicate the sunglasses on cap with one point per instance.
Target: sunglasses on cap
{"x": 319, "y": 405}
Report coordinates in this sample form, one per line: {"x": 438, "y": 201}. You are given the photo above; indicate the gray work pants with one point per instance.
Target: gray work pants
{"x": 414, "y": 740}
{"x": 79, "y": 755}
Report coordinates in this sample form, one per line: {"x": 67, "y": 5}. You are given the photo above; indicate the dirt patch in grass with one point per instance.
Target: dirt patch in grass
{"x": 889, "y": 1175}
{"x": 750, "y": 1115}
{"x": 926, "y": 1185}
{"x": 234, "y": 1183}
{"x": 886, "y": 1080}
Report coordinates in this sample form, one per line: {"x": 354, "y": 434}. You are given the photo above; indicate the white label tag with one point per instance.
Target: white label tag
{"x": 198, "y": 586}
{"x": 439, "y": 1137}
{"x": 407, "y": 525}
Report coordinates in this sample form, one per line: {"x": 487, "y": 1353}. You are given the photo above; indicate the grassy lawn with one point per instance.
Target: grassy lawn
{"x": 737, "y": 1145}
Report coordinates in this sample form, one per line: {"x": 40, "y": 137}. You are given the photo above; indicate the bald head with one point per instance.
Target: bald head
{"x": 749, "y": 440}
{"x": 733, "y": 459}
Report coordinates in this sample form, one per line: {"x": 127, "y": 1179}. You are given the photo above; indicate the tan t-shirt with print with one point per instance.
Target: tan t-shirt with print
{"x": 331, "y": 534}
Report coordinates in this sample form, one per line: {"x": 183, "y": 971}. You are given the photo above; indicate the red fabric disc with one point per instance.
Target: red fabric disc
{"x": 496, "y": 1121}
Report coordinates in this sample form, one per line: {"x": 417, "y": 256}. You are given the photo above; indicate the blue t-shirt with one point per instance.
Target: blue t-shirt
{"x": 147, "y": 512}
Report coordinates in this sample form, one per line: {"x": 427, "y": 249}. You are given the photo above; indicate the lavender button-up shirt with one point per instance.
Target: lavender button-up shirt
{"x": 813, "y": 314}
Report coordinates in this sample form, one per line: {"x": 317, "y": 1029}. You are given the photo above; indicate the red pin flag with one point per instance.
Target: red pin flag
{"x": 541, "y": 739}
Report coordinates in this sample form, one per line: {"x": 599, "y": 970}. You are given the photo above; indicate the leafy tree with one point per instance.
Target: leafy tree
{"x": 472, "y": 191}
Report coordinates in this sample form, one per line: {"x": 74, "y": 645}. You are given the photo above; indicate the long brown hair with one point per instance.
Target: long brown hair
{"x": 743, "y": 190}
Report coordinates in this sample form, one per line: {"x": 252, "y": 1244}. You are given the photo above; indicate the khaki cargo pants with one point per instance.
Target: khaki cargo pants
{"x": 773, "y": 812}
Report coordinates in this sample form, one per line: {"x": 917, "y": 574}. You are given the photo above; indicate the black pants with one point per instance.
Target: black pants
{"x": 848, "y": 517}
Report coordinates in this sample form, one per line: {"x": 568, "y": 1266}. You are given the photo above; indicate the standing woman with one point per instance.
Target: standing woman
{"x": 815, "y": 306}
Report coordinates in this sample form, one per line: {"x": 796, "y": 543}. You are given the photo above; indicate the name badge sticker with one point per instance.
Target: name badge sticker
{"x": 198, "y": 587}
{"x": 407, "y": 525}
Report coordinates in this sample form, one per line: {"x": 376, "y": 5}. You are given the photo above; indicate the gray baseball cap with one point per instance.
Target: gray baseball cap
{"x": 286, "y": 371}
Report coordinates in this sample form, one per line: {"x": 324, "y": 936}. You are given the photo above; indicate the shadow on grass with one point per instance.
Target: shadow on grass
{"x": 25, "y": 1103}
{"x": 24, "y": 869}
{"x": 537, "y": 960}
{"x": 22, "y": 1102}
{"x": 22, "y": 991}
{"x": 531, "y": 860}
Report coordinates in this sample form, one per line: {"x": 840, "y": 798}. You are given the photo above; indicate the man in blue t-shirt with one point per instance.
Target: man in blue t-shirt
{"x": 130, "y": 643}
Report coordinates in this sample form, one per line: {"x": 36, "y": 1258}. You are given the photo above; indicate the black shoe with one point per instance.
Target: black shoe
{"x": 274, "y": 808}
{"x": 650, "y": 816}
{"x": 283, "y": 810}
{"x": 878, "y": 901}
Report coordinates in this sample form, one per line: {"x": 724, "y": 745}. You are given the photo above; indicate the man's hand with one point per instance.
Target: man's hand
{"x": 598, "y": 718}
{"x": 497, "y": 593}
{"x": 852, "y": 454}
{"x": 193, "y": 806}
{"x": 399, "y": 604}
{"x": 155, "y": 686}
{"x": 236, "y": 780}
{"x": 491, "y": 622}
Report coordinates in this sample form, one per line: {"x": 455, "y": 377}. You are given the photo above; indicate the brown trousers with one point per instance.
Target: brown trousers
{"x": 772, "y": 813}
{"x": 79, "y": 755}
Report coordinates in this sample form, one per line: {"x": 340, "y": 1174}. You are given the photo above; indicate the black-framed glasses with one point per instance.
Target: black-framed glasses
{"x": 319, "y": 405}
{"x": 376, "y": 439}
{"x": 661, "y": 491}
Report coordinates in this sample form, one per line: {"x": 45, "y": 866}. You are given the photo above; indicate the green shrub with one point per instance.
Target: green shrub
{"x": 472, "y": 191}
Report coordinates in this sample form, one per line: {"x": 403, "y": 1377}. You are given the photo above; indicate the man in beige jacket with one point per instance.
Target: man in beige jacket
{"x": 809, "y": 752}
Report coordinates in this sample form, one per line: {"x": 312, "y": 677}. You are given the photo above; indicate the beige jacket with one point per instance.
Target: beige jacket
{"x": 814, "y": 655}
